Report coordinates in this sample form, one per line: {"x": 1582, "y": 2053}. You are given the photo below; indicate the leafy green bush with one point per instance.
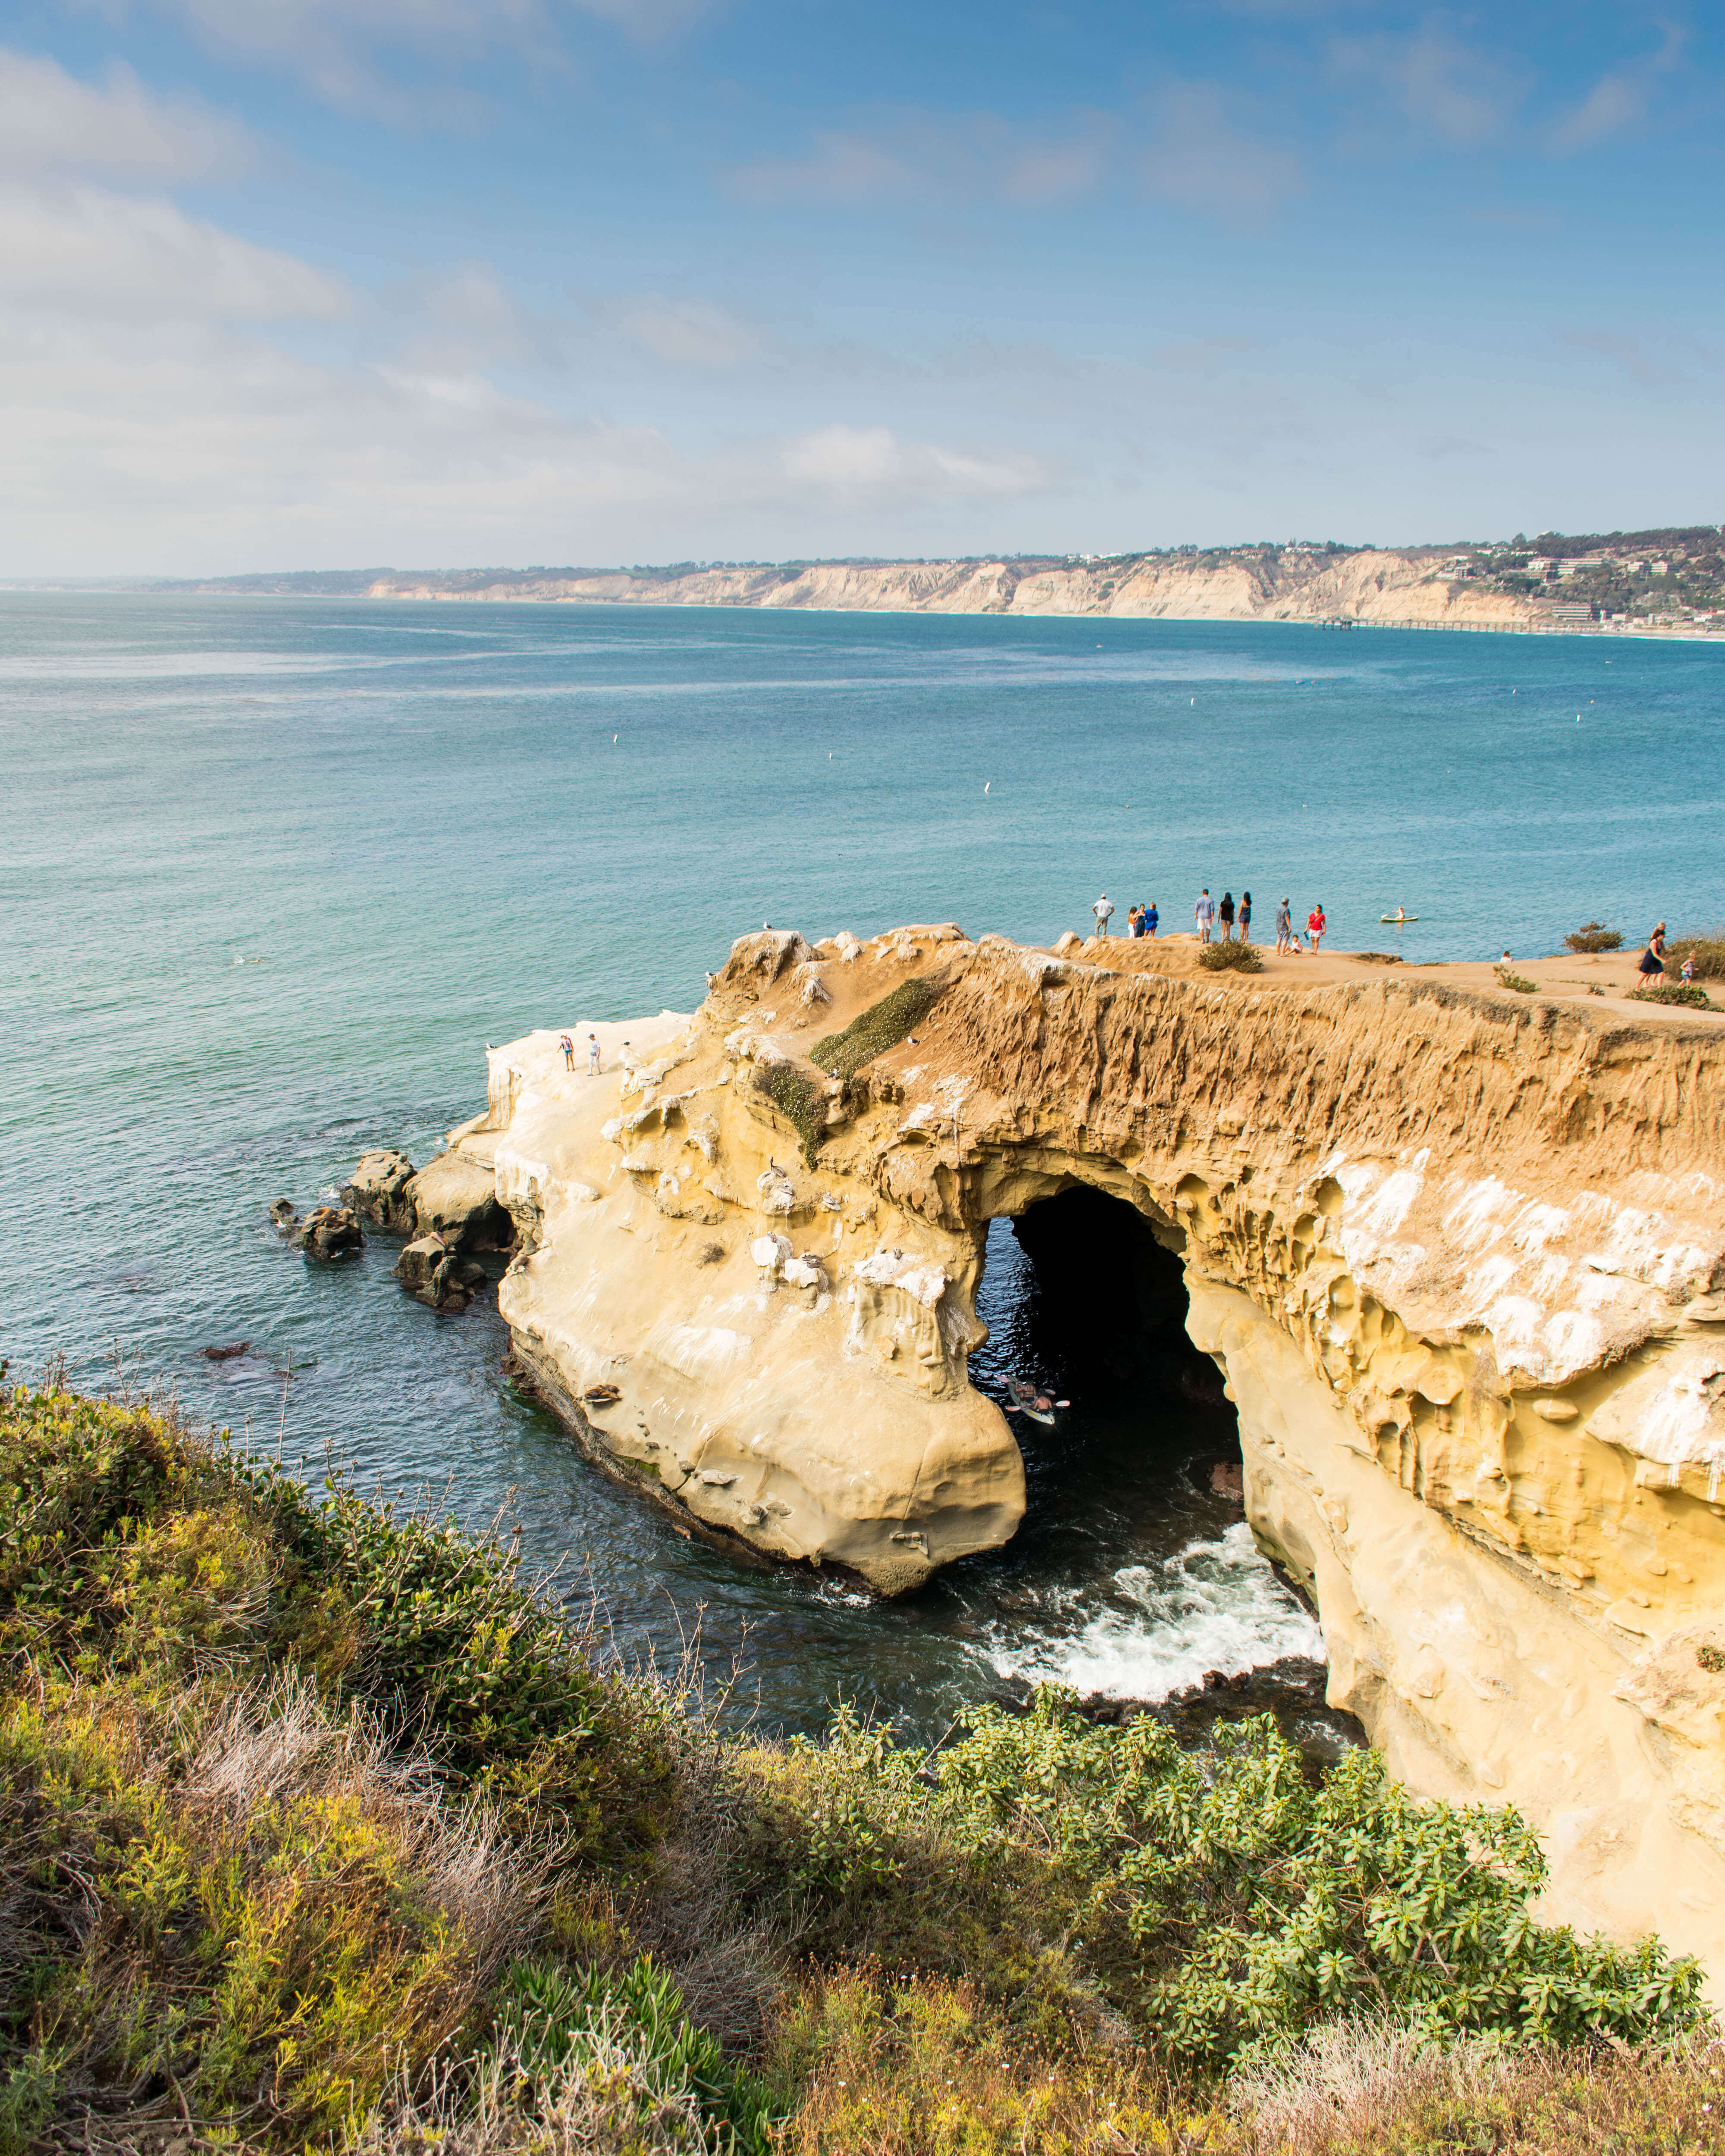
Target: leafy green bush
{"x": 1595, "y": 936}
{"x": 1674, "y": 992}
{"x": 881, "y": 1026}
{"x": 1519, "y": 982}
{"x": 1226, "y": 1904}
{"x": 1230, "y": 957}
{"x": 798, "y": 1099}
{"x": 548, "y": 2016}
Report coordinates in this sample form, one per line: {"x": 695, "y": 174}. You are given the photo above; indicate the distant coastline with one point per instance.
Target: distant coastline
{"x": 1668, "y": 583}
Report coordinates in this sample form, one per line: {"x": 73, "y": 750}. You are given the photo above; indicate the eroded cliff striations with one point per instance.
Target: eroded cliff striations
{"x": 1458, "y": 1259}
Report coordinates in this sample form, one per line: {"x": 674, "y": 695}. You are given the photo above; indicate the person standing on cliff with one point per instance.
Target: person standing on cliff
{"x": 1204, "y": 913}
{"x": 1225, "y": 914}
{"x": 568, "y": 1048}
{"x": 1653, "y": 957}
{"x": 1151, "y": 916}
{"x": 592, "y": 1055}
{"x": 1316, "y": 925}
{"x": 1104, "y": 910}
{"x": 1246, "y": 916}
{"x": 1284, "y": 928}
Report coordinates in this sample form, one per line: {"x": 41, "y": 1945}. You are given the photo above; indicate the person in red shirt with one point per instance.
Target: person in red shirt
{"x": 1315, "y": 925}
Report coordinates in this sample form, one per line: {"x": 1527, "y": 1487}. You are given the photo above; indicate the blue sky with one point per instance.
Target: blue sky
{"x": 289, "y": 283}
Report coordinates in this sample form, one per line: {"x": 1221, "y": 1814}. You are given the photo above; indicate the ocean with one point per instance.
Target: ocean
{"x": 275, "y": 871}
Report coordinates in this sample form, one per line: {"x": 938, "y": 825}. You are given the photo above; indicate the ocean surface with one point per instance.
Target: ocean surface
{"x": 275, "y": 871}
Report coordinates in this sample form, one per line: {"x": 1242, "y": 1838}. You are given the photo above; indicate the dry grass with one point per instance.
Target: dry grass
{"x": 236, "y": 1911}
{"x": 1365, "y": 2089}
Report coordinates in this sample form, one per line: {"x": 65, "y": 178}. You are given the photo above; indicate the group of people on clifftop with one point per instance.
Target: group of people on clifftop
{"x": 1217, "y": 920}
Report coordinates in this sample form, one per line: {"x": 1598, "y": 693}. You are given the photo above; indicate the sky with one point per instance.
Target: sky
{"x": 291, "y": 284}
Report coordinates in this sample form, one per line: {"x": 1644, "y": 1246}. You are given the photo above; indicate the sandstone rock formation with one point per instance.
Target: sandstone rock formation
{"x": 1458, "y": 1256}
{"x": 455, "y": 1196}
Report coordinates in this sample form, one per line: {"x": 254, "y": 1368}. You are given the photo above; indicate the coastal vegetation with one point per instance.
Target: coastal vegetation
{"x": 1706, "y": 951}
{"x": 881, "y": 1026}
{"x": 798, "y": 1099}
{"x": 1674, "y": 992}
{"x": 1229, "y": 958}
{"x": 1595, "y": 936}
{"x": 1508, "y": 978}
{"x": 321, "y": 1830}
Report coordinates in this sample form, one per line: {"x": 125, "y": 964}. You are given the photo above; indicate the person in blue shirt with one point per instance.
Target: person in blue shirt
{"x": 1150, "y": 919}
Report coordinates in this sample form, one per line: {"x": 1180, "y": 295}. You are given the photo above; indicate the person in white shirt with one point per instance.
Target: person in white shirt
{"x": 1104, "y": 910}
{"x": 1204, "y": 913}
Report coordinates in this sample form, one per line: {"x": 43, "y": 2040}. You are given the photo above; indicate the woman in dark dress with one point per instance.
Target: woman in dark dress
{"x": 1225, "y": 914}
{"x": 1653, "y": 957}
{"x": 1246, "y": 916}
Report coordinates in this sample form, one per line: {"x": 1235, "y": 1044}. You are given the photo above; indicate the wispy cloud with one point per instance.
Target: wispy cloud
{"x": 916, "y": 156}
{"x": 347, "y": 51}
{"x": 1431, "y": 80}
{"x": 1201, "y": 158}
{"x": 1620, "y": 98}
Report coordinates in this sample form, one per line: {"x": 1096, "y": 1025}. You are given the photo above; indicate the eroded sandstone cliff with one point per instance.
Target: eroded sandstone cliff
{"x": 1458, "y": 1256}
{"x": 1268, "y": 584}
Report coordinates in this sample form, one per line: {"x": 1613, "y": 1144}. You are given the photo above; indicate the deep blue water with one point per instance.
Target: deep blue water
{"x": 275, "y": 871}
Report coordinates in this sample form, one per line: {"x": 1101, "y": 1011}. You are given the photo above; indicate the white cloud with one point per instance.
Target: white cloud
{"x": 87, "y": 251}
{"x": 852, "y": 460}
{"x": 50, "y": 122}
{"x": 1432, "y": 81}
{"x": 1200, "y": 159}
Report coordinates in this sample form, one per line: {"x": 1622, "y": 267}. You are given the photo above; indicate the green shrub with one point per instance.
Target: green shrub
{"x": 1519, "y": 982}
{"x": 1224, "y": 1904}
{"x": 1230, "y": 957}
{"x": 1595, "y": 936}
{"x": 1674, "y": 992}
{"x": 800, "y": 1100}
{"x": 881, "y": 1026}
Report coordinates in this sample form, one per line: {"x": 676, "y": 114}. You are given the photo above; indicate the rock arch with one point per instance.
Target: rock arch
{"x": 1458, "y": 1256}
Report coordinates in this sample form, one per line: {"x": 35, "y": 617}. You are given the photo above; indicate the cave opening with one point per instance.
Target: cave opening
{"x": 1085, "y": 1304}
{"x": 1134, "y": 1578}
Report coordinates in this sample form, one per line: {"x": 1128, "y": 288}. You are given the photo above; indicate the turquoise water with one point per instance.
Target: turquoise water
{"x": 275, "y": 871}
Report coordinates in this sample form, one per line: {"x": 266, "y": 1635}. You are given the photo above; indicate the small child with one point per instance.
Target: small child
{"x": 1689, "y": 966}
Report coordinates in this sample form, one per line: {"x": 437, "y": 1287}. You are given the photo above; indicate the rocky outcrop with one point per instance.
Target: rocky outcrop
{"x": 380, "y": 1191}
{"x": 435, "y": 1272}
{"x": 330, "y": 1232}
{"x": 455, "y": 1196}
{"x": 1458, "y": 1256}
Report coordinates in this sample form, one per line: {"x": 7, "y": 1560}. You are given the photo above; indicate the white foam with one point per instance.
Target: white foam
{"x": 1216, "y": 1605}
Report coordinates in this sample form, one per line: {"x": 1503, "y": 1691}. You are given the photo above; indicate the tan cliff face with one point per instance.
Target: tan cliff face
{"x": 1459, "y": 1255}
{"x": 1286, "y": 584}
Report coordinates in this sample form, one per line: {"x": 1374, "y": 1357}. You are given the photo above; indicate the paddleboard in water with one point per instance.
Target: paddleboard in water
{"x": 1395, "y": 919}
